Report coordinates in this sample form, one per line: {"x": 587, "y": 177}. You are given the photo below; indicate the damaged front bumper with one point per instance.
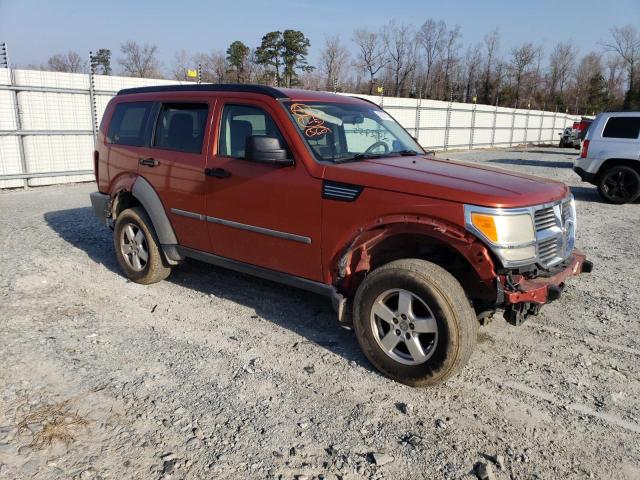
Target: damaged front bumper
{"x": 522, "y": 296}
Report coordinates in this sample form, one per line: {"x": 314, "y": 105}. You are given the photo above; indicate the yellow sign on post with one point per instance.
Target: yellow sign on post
{"x": 192, "y": 73}
{"x": 381, "y": 89}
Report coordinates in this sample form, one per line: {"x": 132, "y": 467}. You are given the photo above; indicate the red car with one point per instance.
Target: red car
{"x": 329, "y": 193}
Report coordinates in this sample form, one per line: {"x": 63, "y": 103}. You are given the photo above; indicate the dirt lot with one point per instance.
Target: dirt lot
{"x": 213, "y": 374}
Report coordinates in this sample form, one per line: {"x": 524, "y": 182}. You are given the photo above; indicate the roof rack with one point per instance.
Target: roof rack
{"x": 209, "y": 87}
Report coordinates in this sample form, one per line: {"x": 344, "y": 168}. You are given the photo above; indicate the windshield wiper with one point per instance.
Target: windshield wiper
{"x": 406, "y": 153}
{"x": 357, "y": 156}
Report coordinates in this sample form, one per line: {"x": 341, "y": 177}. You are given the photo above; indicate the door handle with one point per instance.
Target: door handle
{"x": 148, "y": 162}
{"x": 217, "y": 172}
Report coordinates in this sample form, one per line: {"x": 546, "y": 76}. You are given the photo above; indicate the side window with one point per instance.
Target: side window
{"x": 622, "y": 127}
{"x": 128, "y": 124}
{"x": 240, "y": 122}
{"x": 181, "y": 127}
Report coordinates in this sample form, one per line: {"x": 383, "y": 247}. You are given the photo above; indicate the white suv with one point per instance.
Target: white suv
{"x": 610, "y": 156}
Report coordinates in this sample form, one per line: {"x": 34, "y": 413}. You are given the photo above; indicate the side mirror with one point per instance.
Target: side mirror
{"x": 260, "y": 148}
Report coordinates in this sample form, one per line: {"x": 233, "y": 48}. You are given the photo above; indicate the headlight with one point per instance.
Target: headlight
{"x": 509, "y": 233}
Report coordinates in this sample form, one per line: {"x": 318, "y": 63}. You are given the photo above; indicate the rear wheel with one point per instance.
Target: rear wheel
{"x": 137, "y": 247}
{"x": 619, "y": 184}
{"x": 414, "y": 323}
{"x": 561, "y": 144}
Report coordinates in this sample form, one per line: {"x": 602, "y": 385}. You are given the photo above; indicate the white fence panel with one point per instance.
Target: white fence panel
{"x": 46, "y": 123}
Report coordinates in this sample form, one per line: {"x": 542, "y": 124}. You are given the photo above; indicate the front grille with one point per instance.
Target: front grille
{"x": 566, "y": 212}
{"x": 547, "y": 250}
{"x": 545, "y": 218}
{"x": 555, "y": 232}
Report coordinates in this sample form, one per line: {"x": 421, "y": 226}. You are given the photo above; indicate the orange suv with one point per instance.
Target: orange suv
{"x": 330, "y": 194}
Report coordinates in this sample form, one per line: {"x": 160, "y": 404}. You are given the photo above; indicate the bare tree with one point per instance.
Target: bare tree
{"x": 452, "y": 47}
{"x": 522, "y": 60}
{"x": 371, "y": 55}
{"x": 214, "y": 66}
{"x": 182, "y": 63}
{"x": 491, "y": 43}
{"x": 589, "y": 68}
{"x": 625, "y": 41}
{"x": 561, "y": 64}
{"x": 431, "y": 37}
{"x": 399, "y": 41}
{"x": 333, "y": 58}
{"x": 472, "y": 66}
{"x": 66, "y": 62}
{"x": 615, "y": 76}
{"x": 139, "y": 60}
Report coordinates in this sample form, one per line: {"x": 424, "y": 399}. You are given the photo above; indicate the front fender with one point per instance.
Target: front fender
{"x": 355, "y": 257}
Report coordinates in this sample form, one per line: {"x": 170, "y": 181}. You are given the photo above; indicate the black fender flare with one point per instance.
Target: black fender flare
{"x": 149, "y": 199}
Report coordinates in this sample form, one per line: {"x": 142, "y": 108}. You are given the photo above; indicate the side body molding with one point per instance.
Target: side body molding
{"x": 147, "y": 196}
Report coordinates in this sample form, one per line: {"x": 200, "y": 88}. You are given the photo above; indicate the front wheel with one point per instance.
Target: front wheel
{"x": 619, "y": 184}
{"x": 137, "y": 247}
{"x": 414, "y": 322}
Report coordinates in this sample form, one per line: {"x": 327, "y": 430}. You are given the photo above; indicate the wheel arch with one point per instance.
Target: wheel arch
{"x": 614, "y": 162}
{"x": 400, "y": 237}
{"x": 140, "y": 192}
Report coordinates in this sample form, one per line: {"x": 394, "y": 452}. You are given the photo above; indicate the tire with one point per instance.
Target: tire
{"x": 134, "y": 239}
{"x": 442, "y": 322}
{"x": 619, "y": 184}
{"x": 561, "y": 144}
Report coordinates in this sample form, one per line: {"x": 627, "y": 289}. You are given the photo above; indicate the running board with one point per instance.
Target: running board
{"x": 338, "y": 301}
{"x": 267, "y": 274}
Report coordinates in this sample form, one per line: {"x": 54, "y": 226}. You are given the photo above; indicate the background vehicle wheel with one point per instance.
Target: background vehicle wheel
{"x": 137, "y": 248}
{"x": 414, "y": 322}
{"x": 620, "y": 184}
{"x": 561, "y": 144}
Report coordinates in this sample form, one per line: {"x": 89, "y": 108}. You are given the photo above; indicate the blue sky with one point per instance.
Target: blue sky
{"x": 35, "y": 30}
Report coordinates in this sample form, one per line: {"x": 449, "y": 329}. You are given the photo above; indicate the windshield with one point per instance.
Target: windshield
{"x": 343, "y": 132}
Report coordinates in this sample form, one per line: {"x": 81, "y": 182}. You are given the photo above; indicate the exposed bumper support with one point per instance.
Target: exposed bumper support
{"x": 545, "y": 289}
{"x": 524, "y": 297}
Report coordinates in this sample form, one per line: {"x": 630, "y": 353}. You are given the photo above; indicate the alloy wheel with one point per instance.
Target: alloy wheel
{"x": 133, "y": 245}
{"x": 404, "y": 326}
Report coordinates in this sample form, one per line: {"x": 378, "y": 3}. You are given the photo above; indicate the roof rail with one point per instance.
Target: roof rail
{"x": 208, "y": 87}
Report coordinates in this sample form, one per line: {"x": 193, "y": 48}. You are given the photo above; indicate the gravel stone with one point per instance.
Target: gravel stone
{"x": 557, "y": 397}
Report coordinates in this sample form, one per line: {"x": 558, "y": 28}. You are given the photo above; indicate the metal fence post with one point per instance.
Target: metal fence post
{"x": 473, "y": 125}
{"x": 92, "y": 97}
{"x": 513, "y": 122}
{"x": 526, "y": 125}
{"x": 199, "y": 73}
{"x": 416, "y": 129}
{"x": 4, "y": 61}
{"x": 448, "y": 121}
{"x": 553, "y": 128}
{"x": 493, "y": 128}
{"x": 541, "y": 125}
{"x": 24, "y": 167}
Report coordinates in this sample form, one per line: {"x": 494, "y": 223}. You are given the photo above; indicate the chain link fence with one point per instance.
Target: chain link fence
{"x": 49, "y": 120}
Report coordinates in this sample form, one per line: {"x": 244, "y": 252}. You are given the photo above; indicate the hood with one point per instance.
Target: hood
{"x": 449, "y": 180}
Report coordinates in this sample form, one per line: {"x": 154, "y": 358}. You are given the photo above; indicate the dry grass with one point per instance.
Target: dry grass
{"x": 59, "y": 423}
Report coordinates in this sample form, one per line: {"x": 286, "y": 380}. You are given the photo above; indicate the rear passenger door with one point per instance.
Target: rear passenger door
{"x": 128, "y": 134}
{"x": 174, "y": 165}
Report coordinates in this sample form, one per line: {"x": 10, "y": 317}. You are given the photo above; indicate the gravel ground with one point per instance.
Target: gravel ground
{"x": 213, "y": 374}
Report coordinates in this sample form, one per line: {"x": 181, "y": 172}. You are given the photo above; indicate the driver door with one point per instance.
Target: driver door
{"x": 260, "y": 214}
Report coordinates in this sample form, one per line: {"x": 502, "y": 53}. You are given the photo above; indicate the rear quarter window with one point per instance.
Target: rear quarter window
{"x": 127, "y": 126}
{"x": 622, "y": 127}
